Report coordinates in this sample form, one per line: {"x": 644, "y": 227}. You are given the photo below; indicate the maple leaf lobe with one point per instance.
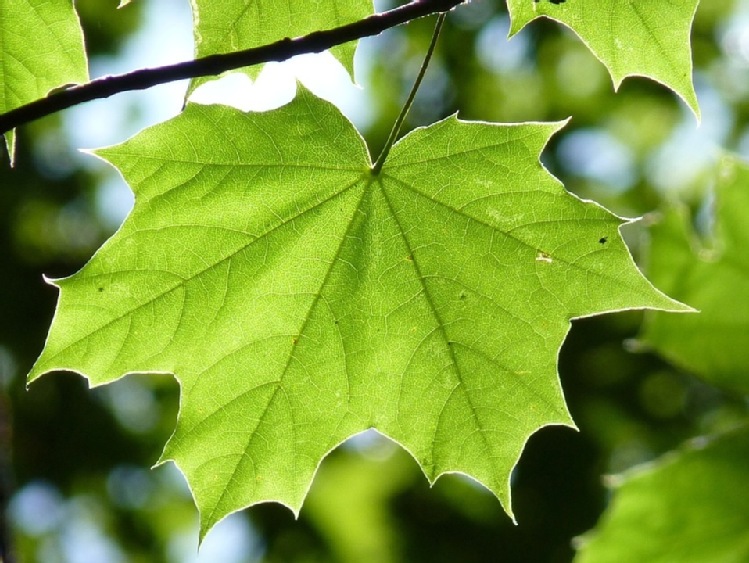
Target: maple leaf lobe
{"x": 299, "y": 300}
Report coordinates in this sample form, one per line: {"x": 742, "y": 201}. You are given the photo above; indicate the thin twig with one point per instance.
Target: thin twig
{"x": 216, "y": 64}
{"x": 395, "y": 131}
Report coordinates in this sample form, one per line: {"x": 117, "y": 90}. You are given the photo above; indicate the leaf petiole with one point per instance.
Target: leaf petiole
{"x": 395, "y": 131}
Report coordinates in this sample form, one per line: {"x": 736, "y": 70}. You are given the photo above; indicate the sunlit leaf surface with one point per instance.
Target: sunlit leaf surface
{"x": 234, "y": 25}
{"x": 300, "y": 299}
{"x": 630, "y": 37}
{"x": 57, "y": 56}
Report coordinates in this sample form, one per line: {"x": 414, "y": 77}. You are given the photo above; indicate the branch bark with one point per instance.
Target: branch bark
{"x": 216, "y": 64}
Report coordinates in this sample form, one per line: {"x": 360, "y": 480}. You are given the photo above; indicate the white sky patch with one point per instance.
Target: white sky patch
{"x": 498, "y": 53}
{"x": 691, "y": 150}
{"x": 230, "y": 541}
{"x": 596, "y": 155}
{"x": 276, "y": 84}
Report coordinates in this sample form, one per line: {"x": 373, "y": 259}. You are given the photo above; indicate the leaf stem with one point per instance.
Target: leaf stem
{"x": 395, "y": 131}
{"x": 213, "y": 65}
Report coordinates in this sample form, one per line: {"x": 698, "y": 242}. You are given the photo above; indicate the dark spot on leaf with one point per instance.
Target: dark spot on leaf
{"x": 410, "y": 258}
{"x": 462, "y": 295}
{"x": 603, "y": 240}
{"x": 100, "y": 289}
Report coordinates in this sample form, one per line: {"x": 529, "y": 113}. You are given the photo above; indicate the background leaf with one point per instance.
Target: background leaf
{"x": 712, "y": 276}
{"x": 234, "y": 25}
{"x": 690, "y": 506}
{"x": 631, "y": 38}
{"x": 57, "y": 57}
{"x": 299, "y": 299}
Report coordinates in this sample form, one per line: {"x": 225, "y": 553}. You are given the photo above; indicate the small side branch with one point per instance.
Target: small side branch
{"x": 216, "y": 64}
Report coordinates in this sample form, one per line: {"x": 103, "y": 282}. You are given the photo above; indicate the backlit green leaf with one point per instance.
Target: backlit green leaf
{"x": 57, "y": 56}
{"x": 300, "y": 299}
{"x": 692, "y": 506}
{"x": 714, "y": 279}
{"x": 631, "y": 37}
{"x": 234, "y": 25}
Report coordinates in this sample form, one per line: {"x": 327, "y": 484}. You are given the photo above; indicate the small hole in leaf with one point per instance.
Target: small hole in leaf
{"x": 603, "y": 240}
{"x": 543, "y": 257}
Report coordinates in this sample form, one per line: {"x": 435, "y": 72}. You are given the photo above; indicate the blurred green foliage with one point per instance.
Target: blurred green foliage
{"x": 691, "y": 506}
{"x": 79, "y": 471}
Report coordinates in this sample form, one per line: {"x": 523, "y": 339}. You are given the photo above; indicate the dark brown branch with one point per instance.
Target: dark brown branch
{"x": 216, "y": 64}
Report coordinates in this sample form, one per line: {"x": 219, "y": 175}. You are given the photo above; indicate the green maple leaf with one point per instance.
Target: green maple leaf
{"x": 234, "y": 25}
{"x": 648, "y": 38}
{"x": 714, "y": 279}
{"x": 299, "y": 298}
{"x": 57, "y": 57}
{"x": 691, "y": 506}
